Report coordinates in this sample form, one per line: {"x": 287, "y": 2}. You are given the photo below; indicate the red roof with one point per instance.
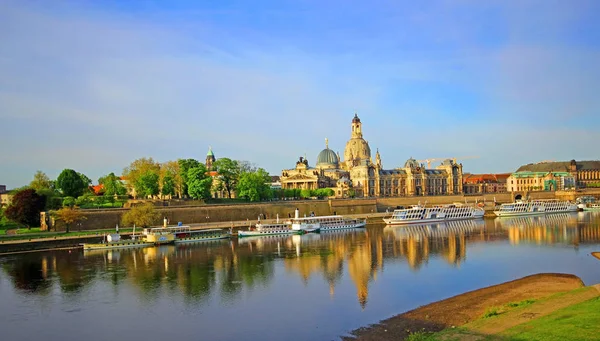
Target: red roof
{"x": 485, "y": 178}
{"x": 97, "y": 189}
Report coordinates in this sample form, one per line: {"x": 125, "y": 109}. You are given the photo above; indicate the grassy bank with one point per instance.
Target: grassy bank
{"x": 574, "y": 315}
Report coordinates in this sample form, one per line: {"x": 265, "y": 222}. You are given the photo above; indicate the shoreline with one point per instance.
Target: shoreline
{"x": 467, "y": 307}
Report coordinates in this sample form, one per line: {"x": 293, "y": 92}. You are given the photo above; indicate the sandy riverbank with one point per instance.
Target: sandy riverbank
{"x": 467, "y": 307}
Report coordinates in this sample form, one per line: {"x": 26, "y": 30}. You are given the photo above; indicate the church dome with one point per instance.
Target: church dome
{"x": 357, "y": 148}
{"x": 327, "y": 159}
{"x": 411, "y": 163}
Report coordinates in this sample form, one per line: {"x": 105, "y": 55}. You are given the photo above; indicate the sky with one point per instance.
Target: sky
{"x": 94, "y": 85}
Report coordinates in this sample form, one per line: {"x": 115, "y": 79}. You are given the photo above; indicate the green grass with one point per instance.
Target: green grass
{"x": 51, "y": 234}
{"x": 577, "y": 322}
{"x": 495, "y": 311}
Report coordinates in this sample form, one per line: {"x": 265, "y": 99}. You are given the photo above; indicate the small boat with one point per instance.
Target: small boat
{"x": 184, "y": 234}
{"x": 419, "y": 214}
{"x": 534, "y": 207}
{"x": 584, "y": 201}
{"x": 158, "y": 235}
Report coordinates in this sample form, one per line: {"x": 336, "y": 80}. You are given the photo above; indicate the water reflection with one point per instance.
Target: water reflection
{"x": 559, "y": 228}
{"x": 226, "y": 268}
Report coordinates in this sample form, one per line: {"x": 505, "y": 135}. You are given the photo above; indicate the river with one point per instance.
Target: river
{"x": 310, "y": 287}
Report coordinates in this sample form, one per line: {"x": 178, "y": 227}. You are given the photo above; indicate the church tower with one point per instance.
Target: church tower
{"x": 356, "y": 127}
{"x": 210, "y": 158}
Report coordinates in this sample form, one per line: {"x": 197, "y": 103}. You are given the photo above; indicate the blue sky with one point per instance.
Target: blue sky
{"x": 94, "y": 85}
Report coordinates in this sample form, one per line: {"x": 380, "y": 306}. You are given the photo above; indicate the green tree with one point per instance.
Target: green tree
{"x": 305, "y": 193}
{"x": 142, "y": 168}
{"x": 171, "y": 177}
{"x": 199, "y": 182}
{"x": 41, "y": 181}
{"x": 255, "y": 186}
{"x": 112, "y": 185}
{"x": 168, "y": 184}
{"x": 87, "y": 181}
{"x": 184, "y": 166}
{"x": 229, "y": 174}
{"x": 147, "y": 184}
{"x": 70, "y": 183}
{"x": 143, "y": 215}
{"x": 68, "y": 215}
{"x": 68, "y": 202}
{"x": 25, "y": 208}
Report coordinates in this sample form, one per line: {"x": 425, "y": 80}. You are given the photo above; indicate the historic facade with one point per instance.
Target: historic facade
{"x": 357, "y": 175}
{"x": 584, "y": 173}
{"x": 485, "y": 183}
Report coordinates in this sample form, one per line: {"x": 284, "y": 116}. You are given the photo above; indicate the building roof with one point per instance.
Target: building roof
{"x": 485, "y": 178}
{"x": 275, "y": 178}
{"x": 538, "y": 174}
{"x": 327, "y": 158}
{"x": 559, "y": 166}
{"x": 392, "y": 171}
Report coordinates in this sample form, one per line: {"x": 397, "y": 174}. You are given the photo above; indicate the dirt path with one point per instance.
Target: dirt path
{"x": 462, "y": 309}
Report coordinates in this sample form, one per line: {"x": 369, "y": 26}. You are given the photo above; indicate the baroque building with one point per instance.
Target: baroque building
{"x": 358, "y": 176}
{"x": 584, "y": 173}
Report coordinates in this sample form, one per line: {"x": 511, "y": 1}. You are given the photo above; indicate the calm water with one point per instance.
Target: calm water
{"x": 316, "y": 286}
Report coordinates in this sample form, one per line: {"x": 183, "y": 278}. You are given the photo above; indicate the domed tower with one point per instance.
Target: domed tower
{"x": 327, "y": 158}
{"x": 210, "y": 158}
{"x": 357, "y": 149}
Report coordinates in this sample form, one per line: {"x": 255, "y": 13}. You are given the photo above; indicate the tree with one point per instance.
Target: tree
{"x": 142, "y": 215}
{"x": 112, "y": 185}
{"x": 229, "y": 174}
{"x": 167, "y": 184}
{"x": 305, "y": 193}
{"x": 68, "y": 215}
{"x": 70, "y": 183}
{"x": 199, "y": 182}
{"x": 170, "y": 176}
{"x": 147, "y": 184}
{"x": 184, "y": 166}
{"x": 137, "y": 169}
{"x": 87, "y": 181}
{"x": 25, "y": 208}
{"x": 41, "y": 181}
{"x": 254, "y": 186}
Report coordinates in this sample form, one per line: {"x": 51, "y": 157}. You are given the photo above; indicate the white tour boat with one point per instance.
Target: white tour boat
{"x": 420, "y": 214}
{"x": 325, "y": 223}
{"x": 592, "y": 207}
{"x": 535, "y": 207}
{"x": 261, "y": 229}
{"x": 184, "y": 234}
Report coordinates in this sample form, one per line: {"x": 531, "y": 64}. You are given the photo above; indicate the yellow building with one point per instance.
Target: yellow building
{"x": 357, "y": 175}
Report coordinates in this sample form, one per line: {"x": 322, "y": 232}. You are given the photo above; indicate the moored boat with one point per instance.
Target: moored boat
{"x": 585, "y": 201}
{"x": 158, "y": 235}
{"x": 420, "y": 214}
{"x": 592, "y": 207}
{"x": 261, "y": 229}
{"x": 534, "y": 207}
{"x": 326, "y": 223}
{"x": 184, "y": 234}
{"x": 114, "y": 241}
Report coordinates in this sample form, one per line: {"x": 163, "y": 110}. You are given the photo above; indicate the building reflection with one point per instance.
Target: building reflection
{"x": 227, "y": 268}
{"x": 416, "y": 243}
{"x": 554, "y": 228}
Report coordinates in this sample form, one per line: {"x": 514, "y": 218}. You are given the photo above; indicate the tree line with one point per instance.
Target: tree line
{"x": 143, "y": 178}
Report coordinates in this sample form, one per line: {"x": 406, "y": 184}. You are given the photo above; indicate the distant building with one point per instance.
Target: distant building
{"x": 5, "y": 199}
{"x": 525, "y": 181}
{"x": 357, "y": 175}
{"x": 2, "y": 189}
{"x": 275, "y": 182}
{"x": 484, "y": 183}
{"x": 584, "y": 173}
